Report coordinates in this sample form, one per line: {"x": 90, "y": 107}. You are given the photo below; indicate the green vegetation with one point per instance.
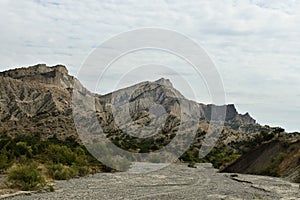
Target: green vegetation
{"x": 61, "y": 172}
{"x": 223, "y": 156}
{"x": 60, "y": 160}
{"x": 66, "y": 159}
{"x": 26, "y": 177}
{"x": 218, "y": 157}
{"x": 4, "y": 164}
{"x": 141, "y": 145}
{"x": 245, "y": 145}
{"x": 272, "y": 168}
{"x": 257, "y": 196}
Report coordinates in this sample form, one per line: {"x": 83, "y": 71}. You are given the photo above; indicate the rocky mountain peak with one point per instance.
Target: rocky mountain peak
{"x": 247, "y": 118}
{"x": 41, "y": 93}
{"x": 39, "y": 69}
{"x": 42, "y": 74}
{"x": 43, "y": 68}
{"x": 165, "y": 82}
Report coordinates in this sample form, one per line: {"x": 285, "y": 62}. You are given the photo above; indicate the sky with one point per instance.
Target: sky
{"x": 255, "y": 46}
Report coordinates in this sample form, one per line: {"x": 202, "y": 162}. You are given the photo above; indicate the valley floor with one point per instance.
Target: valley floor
{"x": 176, "y": 181}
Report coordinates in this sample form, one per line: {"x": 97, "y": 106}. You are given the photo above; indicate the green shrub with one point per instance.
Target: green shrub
{"x": 189, "y": 156}
{"x": 61, "y": 172}
{"x": 26, "y": 178}
{"x": 80, "y": 161}
{"x": 269, "y": 170}
{"x": 60, "y": 154}
{"x": 63, "y": 159}
{"x": 192, "y": 165}
{"x": 4, "y": 162}
{"x": 51, "y": 188}
{"x": 81, "y": 170}
{"x": 220, "y": 157}
{"x": 23, "y": 149}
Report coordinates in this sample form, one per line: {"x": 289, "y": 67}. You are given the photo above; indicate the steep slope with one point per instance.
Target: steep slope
{"x": 145, "y": 117}
{"x": 38, "y": 99}
{"x": 280, "y": 157}
{"x": 149, "y": 101}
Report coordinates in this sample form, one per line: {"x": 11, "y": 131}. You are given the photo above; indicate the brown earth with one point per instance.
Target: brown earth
{"x": 275, "y": 158}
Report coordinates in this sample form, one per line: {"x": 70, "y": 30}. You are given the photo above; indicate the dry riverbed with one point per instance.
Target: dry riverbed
{"x": 172, "y": 182}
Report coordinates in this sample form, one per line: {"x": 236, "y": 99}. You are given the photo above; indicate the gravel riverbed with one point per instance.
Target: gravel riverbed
{"x": 176, "y": 181}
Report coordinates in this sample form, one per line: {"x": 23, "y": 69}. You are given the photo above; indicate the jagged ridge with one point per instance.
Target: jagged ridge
{"x": 38, "y": 100}
{"x": 40, "y": 93}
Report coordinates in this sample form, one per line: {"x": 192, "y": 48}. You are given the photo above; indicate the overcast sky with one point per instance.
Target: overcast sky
{"x": 255, "y": 45}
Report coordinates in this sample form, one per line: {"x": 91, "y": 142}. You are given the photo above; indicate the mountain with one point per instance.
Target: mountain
{"x": 36, "y": 100}
{"x": 142, "y": 118}
{"x": 39, "y": 99}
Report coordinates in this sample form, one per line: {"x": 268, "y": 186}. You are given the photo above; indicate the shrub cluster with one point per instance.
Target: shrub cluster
{"x": 26, "y": 177}
{"x": 61, "y": 160}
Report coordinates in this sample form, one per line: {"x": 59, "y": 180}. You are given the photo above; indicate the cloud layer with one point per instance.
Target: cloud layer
{"x": 254, "y": 44}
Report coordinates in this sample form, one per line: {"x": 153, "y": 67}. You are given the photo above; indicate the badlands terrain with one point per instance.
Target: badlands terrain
{"x": 37, "y": 104}
{"x": 176, "y": 181}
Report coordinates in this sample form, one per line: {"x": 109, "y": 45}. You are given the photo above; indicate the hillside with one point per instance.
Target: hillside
{"x": 280, "y": 157}
{"x": 39, "y": 100}
{"x": 36, "y": 100}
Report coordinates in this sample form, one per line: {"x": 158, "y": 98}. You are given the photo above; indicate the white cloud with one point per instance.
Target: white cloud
{"x": 255, "y": 44}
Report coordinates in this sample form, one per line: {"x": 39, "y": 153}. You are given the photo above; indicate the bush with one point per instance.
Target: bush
{"x": 269, "y": 170}
{"x": 60, "y": 154}
{"x": 81, "y": 170}
{"x": 26, "y": 178}
{"x": 63, "y": 159}
{"x": 23, "y": 149}
{"x": 4, "y": 163}
{"x": 61, "y": 172}
{"x": 220, "y": 157}
{"x": 192, "y": 165}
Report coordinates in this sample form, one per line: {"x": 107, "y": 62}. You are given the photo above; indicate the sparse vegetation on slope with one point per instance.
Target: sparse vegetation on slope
{"x": 278, "y": 157}
{"x": 29, "y": 161}
{"x": 37, "y": 125}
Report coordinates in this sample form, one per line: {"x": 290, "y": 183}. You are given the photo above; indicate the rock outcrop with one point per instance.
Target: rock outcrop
{"x": 38, "y": 99}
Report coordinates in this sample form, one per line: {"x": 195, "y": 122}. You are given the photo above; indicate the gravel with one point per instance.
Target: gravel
{"x": 176, "y": 181}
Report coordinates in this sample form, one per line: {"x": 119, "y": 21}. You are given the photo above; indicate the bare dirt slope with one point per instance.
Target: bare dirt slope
{"x": 275, "y": 158}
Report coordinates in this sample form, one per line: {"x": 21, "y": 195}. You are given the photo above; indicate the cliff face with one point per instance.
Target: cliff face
{"x": 38, "y": 99}
{"x": 151, "y": 100}
{"x": 41, "y": 74}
